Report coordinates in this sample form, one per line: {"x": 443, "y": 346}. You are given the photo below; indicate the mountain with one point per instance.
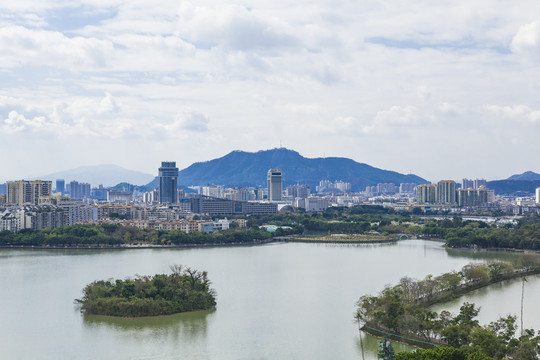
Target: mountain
{"x": 526, "y": 176}
{"x": 517, "y": 185}
{"x": 240, "y": 168}
{"x": 108, "y": 175}
{"x": 514, "y": 187}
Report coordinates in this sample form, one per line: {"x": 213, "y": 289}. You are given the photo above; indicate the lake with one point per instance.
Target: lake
{"x": 275, "y": 301}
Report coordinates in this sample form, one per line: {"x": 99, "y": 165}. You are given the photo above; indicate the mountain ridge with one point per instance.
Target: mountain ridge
{"x": 107, "y": 175}
{"x": 241, "y": 168}
{"x": 526, "y": 176}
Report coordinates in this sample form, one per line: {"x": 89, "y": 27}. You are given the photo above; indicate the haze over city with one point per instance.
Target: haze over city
{"x": 442, "y": 90}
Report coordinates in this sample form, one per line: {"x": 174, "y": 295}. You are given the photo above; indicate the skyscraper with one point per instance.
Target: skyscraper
{"x": 426, "y": 193}
{"x": 446, "y": 192}
{"x": 27, "y": 192}
{"x": 60, "y": 186}
{"x": 275, "y": 184}
{"x": 168, "y": 182}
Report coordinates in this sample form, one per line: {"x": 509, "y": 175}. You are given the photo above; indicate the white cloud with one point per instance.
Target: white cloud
{"x": 345, "y": 75}
{"x": 521, "y": 113}
{"x": 527, "y": 40}
{"x": 16, "y": 122}
{"x": 398, "y": 115}
{"x": 194, "y": 121}
{"x": 232, "y": 26}
{"x": 23, "y": 46}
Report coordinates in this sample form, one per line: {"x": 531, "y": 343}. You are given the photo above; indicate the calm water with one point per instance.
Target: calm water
{"x": 276, "y": 301}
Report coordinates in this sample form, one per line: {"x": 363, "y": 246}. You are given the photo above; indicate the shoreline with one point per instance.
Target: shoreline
{"x": 413, "y": 340}
{"x": 137, "y": 246}
{"x": 278, "y": 239}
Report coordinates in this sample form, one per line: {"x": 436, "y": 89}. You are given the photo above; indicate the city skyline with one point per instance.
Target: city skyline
{"x": 398, "y": 87}
{"x": 86, "y": 170}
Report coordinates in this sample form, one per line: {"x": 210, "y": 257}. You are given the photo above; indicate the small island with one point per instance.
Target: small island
{"x": 184, "y": 290}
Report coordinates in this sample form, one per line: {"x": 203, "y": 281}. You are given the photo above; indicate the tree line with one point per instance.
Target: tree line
{"x": 404, "y": 310}
{"x": 456, "y": 232}
{"x": 115, "y": 234}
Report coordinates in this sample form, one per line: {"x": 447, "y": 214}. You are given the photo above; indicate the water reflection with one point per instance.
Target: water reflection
{"x": 190, "y": 326}
{"x": 500, "y": 255}
{"x": 371, "y": 346}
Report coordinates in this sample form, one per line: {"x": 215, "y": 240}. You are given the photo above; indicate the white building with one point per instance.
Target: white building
{"x": 221, "y": 224}
{"x": 8, "y": 221}
{"x": 312, "y": 204}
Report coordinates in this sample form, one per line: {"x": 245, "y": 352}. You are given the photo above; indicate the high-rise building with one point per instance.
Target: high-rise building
{"x": 387, "y": 188}
{"x": 446, "y": 192}
{"x": 168, "y": 182}
{"x": 298, "y": 191}
{"x": 426, "y": 193}
{"x": 407, "y": 188}
{"x": 60, "y": 186}
{"x": 538, "y": 195}
{"x": 27, "y": 192}
{"x": 467, "y": 184}
{"x": 478, "y": 183}
{"x": 342, "y": 186}
{"x": 79, "y": 190}
{"x": 275, "y": 184}
{"x": 472, "y": 197}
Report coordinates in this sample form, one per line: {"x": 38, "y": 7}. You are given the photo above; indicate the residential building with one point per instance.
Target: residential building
{"x": 467, "y": 184}
{"x": 213, "y": 191}
{"x": 60, "y": 186}
{"x": 478, "y": 183}
{"x": 446, "y": 192}
{"x": 27, "y": 192}
{"x": 221, "y": 224}
{"x": 426, "y": 193}
{"x": 387, "y": 188}
{"x": 342, "y": 186}
{"x": 79, "y": 190}
{"x": 407, "y": 188}
{"x": 472, "y": 197}
{"x": 119, "y": 196}
{"x": 8, "y": 221}
{"x": 298, "y": 191}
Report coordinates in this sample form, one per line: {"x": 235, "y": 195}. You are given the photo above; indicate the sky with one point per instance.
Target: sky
{"x": 441, "y": 89}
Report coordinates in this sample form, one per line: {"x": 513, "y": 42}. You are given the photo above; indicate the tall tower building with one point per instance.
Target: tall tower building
{"x": 479, "y": 183}
{"x": 538, "y": 196}
{"x": 426, "y": 193}
{"x": 168, "y": 182}
{"x": 467, "y": 184}
{"x": 446, "y": 192}
{"x": 27, "y": 192}
{"x": 275, "y": 184}
{"x": 60, "y": 186}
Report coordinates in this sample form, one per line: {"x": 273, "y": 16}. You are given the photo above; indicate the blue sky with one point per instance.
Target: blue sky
{"x": 445, "y": 89}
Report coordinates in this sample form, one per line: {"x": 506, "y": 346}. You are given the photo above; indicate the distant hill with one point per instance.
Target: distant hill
{"x": 517, "y": 185}
{"x": 240, "y": 168}
{"x": 526, "y": 176}
{"x": 513, "y": 187}
{"x": 108, "y": 175}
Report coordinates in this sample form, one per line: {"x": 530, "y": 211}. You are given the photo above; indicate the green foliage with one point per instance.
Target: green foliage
{"x": 184, "y": 290}
{"x": 525, "y": 235}
{"x": 115, "y": 234}
{"x": 442, "y": 353}
{"x": 404, "y": 310}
